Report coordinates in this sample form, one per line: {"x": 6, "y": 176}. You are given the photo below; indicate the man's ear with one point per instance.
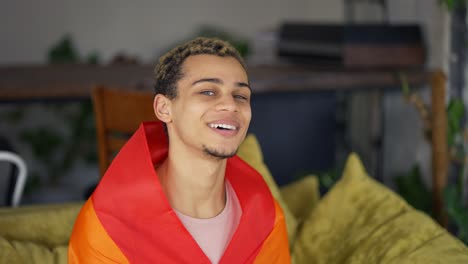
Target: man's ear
{"x": 162, "y": 108}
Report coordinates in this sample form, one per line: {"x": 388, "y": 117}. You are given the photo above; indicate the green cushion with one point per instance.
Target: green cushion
{"x": 301, "y": 196}
{"x": 36, "y": 234}
{"x": 12, "y": 252}
{"x": 361, "y": 221}
{"x": 50, "y": 225}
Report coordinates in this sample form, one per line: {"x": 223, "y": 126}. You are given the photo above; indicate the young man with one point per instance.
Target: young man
{"x": 176, "y": 192}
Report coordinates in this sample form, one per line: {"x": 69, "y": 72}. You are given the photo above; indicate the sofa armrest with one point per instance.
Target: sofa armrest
{"x": 50, "y": 225}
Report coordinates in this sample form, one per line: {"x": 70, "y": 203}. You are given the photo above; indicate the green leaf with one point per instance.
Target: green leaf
{"x": 32, "y": 183}
{"x": 412, "y": 188}
{"x": 93, "y": 58}
{"x": 43, "y": 141}
{"x": 14, "y": 116}
{"x": 455, "y": 113}
{"x": 63, "y": 52}
{"x": 404, "y": 83}
{"x": 453, "y": 4}
{"x": 91, "y": 157}
{"x": 327, "y": 178}
{"x": 456, "y": 212}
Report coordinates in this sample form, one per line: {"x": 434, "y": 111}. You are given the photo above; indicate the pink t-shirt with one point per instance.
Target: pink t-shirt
{"x": 214, "y": 234}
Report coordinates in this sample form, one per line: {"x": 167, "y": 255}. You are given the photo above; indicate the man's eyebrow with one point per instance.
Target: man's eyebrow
{"x": 219, "y": 81}
{"x": 243, "y": 84}
{"x": 210, "y": 80}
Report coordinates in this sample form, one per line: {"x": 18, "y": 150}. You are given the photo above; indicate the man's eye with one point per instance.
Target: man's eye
{"x": 209, "y": 93}
{"x": 241, "y": 97}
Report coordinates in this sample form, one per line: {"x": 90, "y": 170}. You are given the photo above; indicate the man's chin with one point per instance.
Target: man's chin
{"x": 219, "y": 153}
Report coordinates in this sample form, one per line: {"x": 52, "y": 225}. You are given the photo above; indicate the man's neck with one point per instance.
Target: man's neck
{"x": 194, "y": 184}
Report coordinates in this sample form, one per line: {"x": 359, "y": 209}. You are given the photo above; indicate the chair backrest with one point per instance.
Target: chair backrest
{"x": 118, "y": 114}
{"x": 20, "y": 178}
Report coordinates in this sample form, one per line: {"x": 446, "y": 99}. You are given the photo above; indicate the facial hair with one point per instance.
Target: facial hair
{"x": 218, "y": 154}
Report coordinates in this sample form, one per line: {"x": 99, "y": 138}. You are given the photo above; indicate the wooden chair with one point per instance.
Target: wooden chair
{"x": 118, "y": 114}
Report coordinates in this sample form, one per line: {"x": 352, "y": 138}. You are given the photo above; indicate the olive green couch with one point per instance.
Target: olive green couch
{"x": 357, "y": 221}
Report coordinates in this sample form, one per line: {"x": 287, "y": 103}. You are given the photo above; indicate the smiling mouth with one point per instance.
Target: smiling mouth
{"x": 224, "y": 127}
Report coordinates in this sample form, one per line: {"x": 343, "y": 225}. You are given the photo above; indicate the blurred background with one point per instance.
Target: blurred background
{"x": 346, "y": 71}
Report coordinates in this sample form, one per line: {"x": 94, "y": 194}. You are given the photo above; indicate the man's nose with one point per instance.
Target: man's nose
{"x": 227, "y": 103}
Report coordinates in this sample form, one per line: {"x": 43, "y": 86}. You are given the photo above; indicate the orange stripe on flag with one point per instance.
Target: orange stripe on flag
{"x": 90, "y": 243}
{"x": 275, "y": 249}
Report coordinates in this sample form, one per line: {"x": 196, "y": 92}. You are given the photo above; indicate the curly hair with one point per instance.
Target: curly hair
{"x": 169, "y": 69}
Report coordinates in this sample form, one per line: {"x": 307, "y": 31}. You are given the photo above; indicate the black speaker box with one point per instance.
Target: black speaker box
{"x": 351, "y": 46}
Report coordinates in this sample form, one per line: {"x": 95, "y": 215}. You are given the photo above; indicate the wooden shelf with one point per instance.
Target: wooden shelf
{"x": 287, "y": 78}
{"x": 75, "y": 81}
{"x": 67, "y": 81}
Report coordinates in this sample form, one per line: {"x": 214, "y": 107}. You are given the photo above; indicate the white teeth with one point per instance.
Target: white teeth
{"x": 225, "y": 126}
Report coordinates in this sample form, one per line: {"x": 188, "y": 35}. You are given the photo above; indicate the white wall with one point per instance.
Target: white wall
{"x": 435, "y": 21}
{"x": 404, "y": 143}
{"x": 144, "y": 28}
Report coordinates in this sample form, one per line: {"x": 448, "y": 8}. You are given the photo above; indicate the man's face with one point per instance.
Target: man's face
{"x": 211, "y": 112}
